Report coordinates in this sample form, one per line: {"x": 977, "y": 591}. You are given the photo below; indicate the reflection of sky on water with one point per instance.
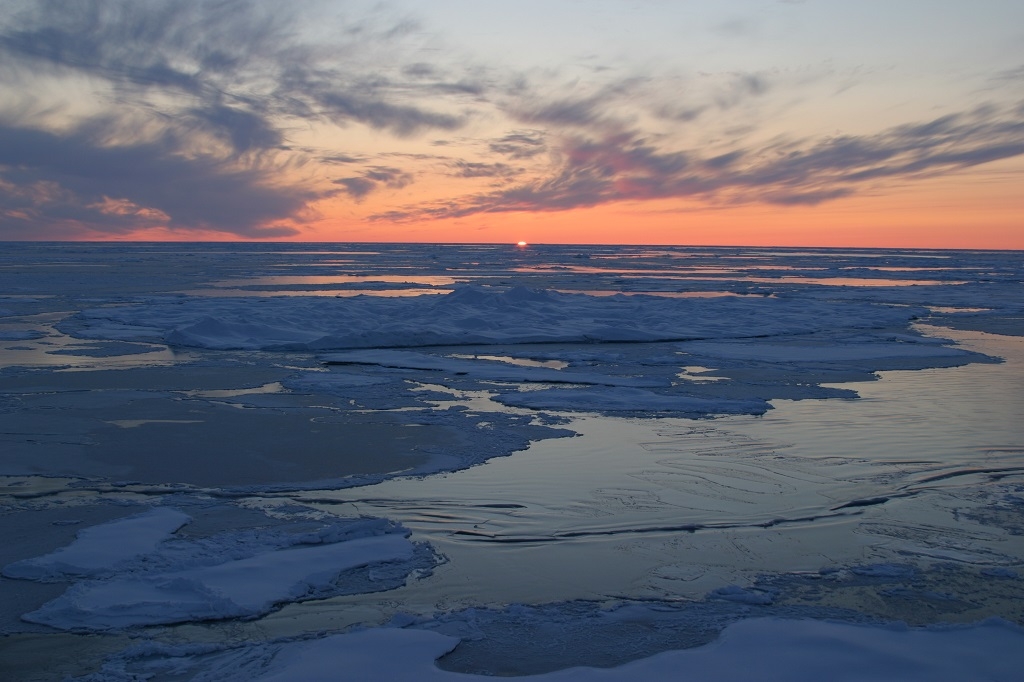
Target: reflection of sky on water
{"x": 663, "y": 294}
{"x": 337, "y": 293}
{"x": 433, "y": 280}
{"x": 46, "y": 346}
{"x": 849, "y": 281}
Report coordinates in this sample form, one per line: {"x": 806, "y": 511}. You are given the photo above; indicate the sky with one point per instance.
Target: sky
{"x": 743, "y": 122}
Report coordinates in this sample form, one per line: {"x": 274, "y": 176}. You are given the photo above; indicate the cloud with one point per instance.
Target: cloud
{"x": 341, "y": 159}
{"x": 742, "y": 28}
{"x": 469, "y": 169}
{"x": 522, "y": 144}
{"x": 358, "y": 187}
{"x": 78, "y": 177}
{"x": 244, "y": 130}
{"x": 400, "y": 119}
{"x": 741, "y": 87}
{"x": 594, "y": 109}
{"x": 197, "y": 100}
{"x": 626, "y": 166}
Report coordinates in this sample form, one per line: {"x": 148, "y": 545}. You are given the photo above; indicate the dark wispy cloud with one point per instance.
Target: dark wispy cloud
{"x": 198, "y": 100}
{"x": 522, "y": 144}
{"x": 625, "y": 166}
{"x": 591, "y": 110}
{"x": 358, "y": 187}
{"x": 473, "y": 169}
{"x": 341, "y": 159}
{"x": 76, "y": 176}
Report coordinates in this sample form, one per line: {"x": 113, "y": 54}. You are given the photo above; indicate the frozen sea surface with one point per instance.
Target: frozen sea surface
{"x": 282, "y": 461}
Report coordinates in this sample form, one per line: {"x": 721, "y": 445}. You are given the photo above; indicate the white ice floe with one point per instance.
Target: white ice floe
{"x": 103, "y": 548}
{"x": 748, "y": 650}
{"x": 603, "y": 399}
{"x": 242, "y": 588}
{"x": 138, "y": 571}
{"x": 471, "y": 315}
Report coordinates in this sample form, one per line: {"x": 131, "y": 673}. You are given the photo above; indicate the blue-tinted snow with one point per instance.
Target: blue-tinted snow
{"x": 135, "y": 571}
{"x": 753, "y": 649}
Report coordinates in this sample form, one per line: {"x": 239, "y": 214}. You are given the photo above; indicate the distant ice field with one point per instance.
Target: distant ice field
{"x": 283, "y": 461}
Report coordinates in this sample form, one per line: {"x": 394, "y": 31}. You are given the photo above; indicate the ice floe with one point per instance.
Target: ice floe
{"x": 753, "y": 649}
{"x": 470, "y": 315}
{"x": 242, "y": 588}
{"x": 482, "y": 369}
{"x": 601, "y": 399}
{"x": 101, "y": 549}
{"x": 135, "y": 572}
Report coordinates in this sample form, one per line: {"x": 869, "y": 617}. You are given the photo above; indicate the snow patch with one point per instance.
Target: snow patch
{"x": 102, "y": 549}
{"x": 758, "y": 648}
{"x": 243, "y": 588}
{"x": 137, "y": 571}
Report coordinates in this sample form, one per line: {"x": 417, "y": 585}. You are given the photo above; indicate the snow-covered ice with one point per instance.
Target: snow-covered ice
{"x": 242, "y": 588}
{"x": 482, "y": 369}
{"x": 760, "y": 649}
{"x": 100, "y": 549}
{"x": 471, "y": 315}
{"x": 135, "y": 571}
{"x": 627, "y": 400}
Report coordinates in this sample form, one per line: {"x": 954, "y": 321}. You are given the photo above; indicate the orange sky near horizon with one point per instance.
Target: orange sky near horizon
{"x": 951, "y": 212}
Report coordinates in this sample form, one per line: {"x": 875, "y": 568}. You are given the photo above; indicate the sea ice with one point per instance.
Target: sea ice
{"x": 471, "y": 315}
{"x": 753, "y": 649}
{"x": 738, "y": 594}
{"x": 137, "y": 571}
{"x": 601, "y": 399}
{"x": 101, "y": 549}
{"x": 242, "y": 588}
{"x": 482, "y": 369}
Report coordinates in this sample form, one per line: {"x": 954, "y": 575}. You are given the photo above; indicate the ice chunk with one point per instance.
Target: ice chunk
{"x": 884, "y": 571}
{"x": 602, "y": 399}
{"x": 101, "y": 549}
{"x": 1000, "y": 572}
{"x": 481, "y": 369}
{"x": 472, "y": 315}
{"x": 242, "y": 588}
{"x": 741, "y": 595}
{"x": 759, "y": 648}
